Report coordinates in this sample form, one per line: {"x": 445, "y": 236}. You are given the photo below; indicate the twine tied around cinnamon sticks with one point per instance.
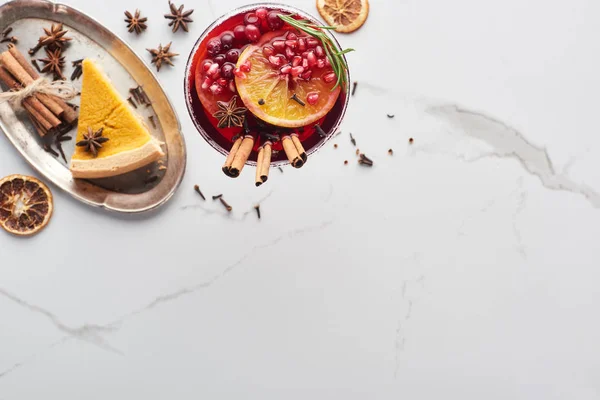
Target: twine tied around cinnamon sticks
{"x": 43, "y": 100}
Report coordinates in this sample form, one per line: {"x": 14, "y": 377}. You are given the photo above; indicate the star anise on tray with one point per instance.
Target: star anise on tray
{"x": 135, "y": 23}
{"x": 92, "y": 141}
{"x": 162, "y": 54}
{"x": 230, "y": 114}
{"x": 54, "y": 63}
{"x": 179, "y": 17}
{"x": 55, "y": 39}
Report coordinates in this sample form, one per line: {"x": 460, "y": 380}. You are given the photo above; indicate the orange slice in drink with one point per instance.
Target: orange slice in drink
{"x": 285, "y": 79}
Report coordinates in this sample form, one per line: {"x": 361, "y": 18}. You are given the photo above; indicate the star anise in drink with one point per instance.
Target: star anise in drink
{"x": 230, "y": 114}
{"x": 179, "y": 17}
{"x": 55, "y": 39}
{"x": 92, "y": 141}
{"x": 162, "y": 55}
{"x": 135, "y": 23}
{"x": 54, "y": 63}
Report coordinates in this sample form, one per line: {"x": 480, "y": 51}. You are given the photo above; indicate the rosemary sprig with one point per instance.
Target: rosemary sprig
{"x": 334, "y": 54}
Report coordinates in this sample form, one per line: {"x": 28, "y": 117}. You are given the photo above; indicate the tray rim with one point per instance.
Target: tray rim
{"x": 78, "y": 195}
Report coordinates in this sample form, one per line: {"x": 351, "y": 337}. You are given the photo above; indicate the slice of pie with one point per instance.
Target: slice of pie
{"x": 129, "y": 145}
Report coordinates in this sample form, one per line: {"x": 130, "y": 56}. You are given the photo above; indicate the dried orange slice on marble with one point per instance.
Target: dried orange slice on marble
{"x": 25, "y": 205}
{"x": 346, "y": 15}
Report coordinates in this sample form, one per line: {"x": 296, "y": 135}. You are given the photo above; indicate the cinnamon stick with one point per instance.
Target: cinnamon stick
{"x": 259, "y": 162}
{"x": 266, "y": 162}
{"x": 234, "y": 149}
{"x": 43, "y": 122}
{"x": 299, "y": 147}
{"x": 57, "y": 106}
{"x": 242, "y": 156}
{"x": 291, "y": 152}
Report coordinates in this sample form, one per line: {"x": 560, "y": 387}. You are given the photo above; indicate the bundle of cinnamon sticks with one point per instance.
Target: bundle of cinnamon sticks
{"x": 242, "y": 147}
{"x": 47, "y": 112}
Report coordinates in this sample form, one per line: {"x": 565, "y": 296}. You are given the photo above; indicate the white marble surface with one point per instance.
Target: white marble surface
{"x": 465, "y": 266}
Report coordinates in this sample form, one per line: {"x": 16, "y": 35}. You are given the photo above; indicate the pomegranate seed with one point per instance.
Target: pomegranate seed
{"x": 285, "y": 69}
{"x": 213, "y": 70}
{"x": 306, "y": 75}
{"x": 222, "y": 82}
{"x": 327, "y": 63}
{"x": 232, "y": 55}
{"x": 239, "y": 32}
{"x": 232, "y": 86}
{"x": 206, "y": 65}
{"x": 296, "y": 71}
{"x": 312, "y": 43}
{"x": 262, "y": 13}
{"x": 206, "y": 83}
{"x": 305, "y": 63}
{"x": 268, "y": 51}
{"x": 329, "y": 77}
{"x": 252, "y": 33}
{"x": 320, "y": 63}
{"x": 213, "y": 47}
{"x": 312, "y": 98}
{"x": 297, "y": 60}
{"x": 301, "y": 44}
{"x": 289, "y": 53}
{"x": 216, "y": 89}
{"x": 274, "y": 21}
{"x": 227, "y": 40}
{"x": 246, "y": 66}
{"x": 279, "y": 45}
{"x": 319, "y": 51}
{"x": 220, "y": 59}
{"x": 250, "y": 19}
{"x": 237, "y": 72}
{"x": 312, "y": 59}
{"x": 291, "y": 43}
{"x": 227, "y": 70}
{"x": 275, "y": 61}
{"x": 291, "y": 36}
{"x": 305, "y": 54}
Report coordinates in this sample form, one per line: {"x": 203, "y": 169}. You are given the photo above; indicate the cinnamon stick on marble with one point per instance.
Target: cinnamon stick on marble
{"x": 299, "y": 147}
{"x": 234, "y": 149}
{"x": 266, "y": 162}
{"x": 291, "y": 152}
{"x": 242, "y": 156}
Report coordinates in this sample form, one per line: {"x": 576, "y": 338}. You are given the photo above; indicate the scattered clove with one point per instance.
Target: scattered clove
{"x": 217, "y": 197}
{"x": 197, "y": 189}
{"x": 50, "y": 150}
{"x": 345, "y": 162}
{"x": 411, "y": 140}
{"x": 352, "y": 140}
{"x": 7, "y": 31}
{"x": 12, "y": 39}
{"x": 335, "y": 146}
{"x": 354, "y": 84}
{"x": 130, "y": 100}
{"x": 390, "y": 152}
{"x": 257, "y": 208}
{"x": 227, "y": 206}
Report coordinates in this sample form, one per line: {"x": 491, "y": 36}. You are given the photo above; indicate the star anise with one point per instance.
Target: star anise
{"x": 179, "y": 17}
{"x": 55, "y": 39}
{"x": 135, "y": 23}
{"x": 54, "y": 63}
{"x": 230, "y": 114}
{"x": 92, "y": 141}
{"x": 162, "y": 54}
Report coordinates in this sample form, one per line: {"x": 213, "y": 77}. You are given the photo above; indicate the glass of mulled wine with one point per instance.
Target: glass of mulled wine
{"x": 280, "y": 75}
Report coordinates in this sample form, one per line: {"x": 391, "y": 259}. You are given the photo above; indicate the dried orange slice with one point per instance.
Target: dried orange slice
{"x": 25, "y": 205}
{"x": 285, "y": 79}
{"x": 346, "y": 15}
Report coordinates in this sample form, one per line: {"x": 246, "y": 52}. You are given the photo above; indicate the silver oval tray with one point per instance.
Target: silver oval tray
{"x": 137, "y": 191}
